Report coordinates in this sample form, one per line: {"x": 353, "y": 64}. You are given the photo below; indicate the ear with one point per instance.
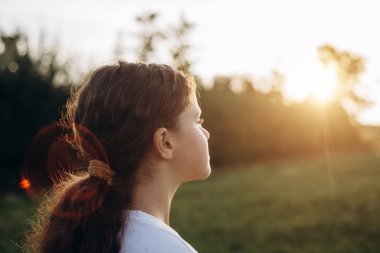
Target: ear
{"x": 163, "y": 142}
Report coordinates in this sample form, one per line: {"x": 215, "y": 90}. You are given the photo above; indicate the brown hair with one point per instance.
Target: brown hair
{"x": 113, "y": 118}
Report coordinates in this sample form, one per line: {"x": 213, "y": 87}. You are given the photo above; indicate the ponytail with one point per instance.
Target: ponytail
{"x": 85, "y": 215}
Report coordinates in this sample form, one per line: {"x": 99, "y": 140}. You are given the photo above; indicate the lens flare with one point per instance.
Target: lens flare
{"x": 24, "y": 184}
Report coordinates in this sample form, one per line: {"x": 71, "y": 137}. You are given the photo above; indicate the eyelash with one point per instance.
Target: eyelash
{"x": 200, "y": 121}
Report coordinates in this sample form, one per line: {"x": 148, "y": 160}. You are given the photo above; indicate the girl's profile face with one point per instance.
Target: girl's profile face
{"x": 191, "y": 154}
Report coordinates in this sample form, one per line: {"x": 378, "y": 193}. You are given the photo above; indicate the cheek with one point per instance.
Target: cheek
{"x": 193, "y": 147}
{"x": 191, "y": 156}
{"x": 199, "y": 142}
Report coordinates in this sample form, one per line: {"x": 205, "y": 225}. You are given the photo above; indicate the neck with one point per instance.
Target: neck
{"x": 154, "y": 196}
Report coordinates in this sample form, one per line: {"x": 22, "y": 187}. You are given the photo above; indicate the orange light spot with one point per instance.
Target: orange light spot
{"x": 24, "y": 184}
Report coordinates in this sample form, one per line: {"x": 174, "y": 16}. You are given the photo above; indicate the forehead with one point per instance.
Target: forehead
{"x": 192, "y": 110}
{"x": 193, "y": 106}
{"x": 190, "y": 114}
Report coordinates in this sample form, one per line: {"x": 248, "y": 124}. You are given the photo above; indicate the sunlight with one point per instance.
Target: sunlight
{"x": 324, "y": 84}
{"x": 314, "y": 81}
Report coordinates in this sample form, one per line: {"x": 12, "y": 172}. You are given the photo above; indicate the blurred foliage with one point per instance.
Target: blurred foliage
{"x": 148, "y": 36}
{"x": 152, "y": 36}
{"x": 249, "y": 125}
{"x": 348, "y": 65}
{"x": 348, "y": 68}
{"x": 31, "y": 92}
{"x": 246, "y": 124}
{"x": 180, "y": 49}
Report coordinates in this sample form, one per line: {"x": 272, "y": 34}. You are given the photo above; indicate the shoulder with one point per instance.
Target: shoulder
{"x": 145, "y": 234}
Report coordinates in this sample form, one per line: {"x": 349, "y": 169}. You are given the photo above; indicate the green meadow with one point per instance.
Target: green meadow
{"x": 329, "y": 204}
{"x": 15, "y": 211}
{"x": 317, "y": 205}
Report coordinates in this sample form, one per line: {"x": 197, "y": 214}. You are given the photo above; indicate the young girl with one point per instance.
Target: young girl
{"x": 139, "y": 127}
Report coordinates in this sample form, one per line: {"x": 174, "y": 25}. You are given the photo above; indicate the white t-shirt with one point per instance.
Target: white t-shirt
{"x": 146, "y": 233}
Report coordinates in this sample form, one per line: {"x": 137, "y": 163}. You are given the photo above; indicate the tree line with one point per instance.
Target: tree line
{"x": 246, "y": 126}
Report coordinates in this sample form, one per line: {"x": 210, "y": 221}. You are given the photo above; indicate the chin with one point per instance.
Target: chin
{"x": 207, "y": 173}
{"x": 202, "y": 175}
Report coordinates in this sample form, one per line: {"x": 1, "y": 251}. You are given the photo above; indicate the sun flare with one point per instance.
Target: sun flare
{"x": 324, "y": 84}
{"x": 315, "y": 81}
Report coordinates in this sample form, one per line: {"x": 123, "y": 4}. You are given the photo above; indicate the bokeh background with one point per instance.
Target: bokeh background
{"x": 290, "y": 92}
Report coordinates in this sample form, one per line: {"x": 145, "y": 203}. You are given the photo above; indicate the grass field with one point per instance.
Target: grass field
{"x": 314, "y": 205}
{"x": 14, "y": 213}
{"x": 297, "y": 206}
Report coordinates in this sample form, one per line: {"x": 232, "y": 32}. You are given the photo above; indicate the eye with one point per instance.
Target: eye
{"x": 200, "y": 121}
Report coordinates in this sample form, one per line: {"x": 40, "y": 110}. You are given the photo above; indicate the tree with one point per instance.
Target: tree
{"x": 348, "y": 67}
{"x": 148, "y": 36}
{"x": 31, "y": 93}
{"x": 181, "y": 48}
{"x": 174, "y": 36}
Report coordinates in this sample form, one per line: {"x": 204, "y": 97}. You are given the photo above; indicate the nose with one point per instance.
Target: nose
{"x": 206, "y": 133}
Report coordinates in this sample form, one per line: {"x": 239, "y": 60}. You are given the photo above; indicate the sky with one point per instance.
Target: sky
{"x": 230, "y": 37}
